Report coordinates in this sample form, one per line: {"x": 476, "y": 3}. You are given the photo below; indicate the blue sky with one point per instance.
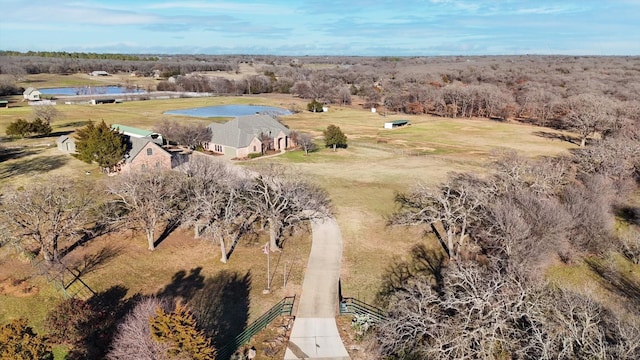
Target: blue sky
{"x": 324, "y": 27}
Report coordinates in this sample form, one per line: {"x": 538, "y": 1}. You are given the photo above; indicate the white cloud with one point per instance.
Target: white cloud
{"x": 233, "y": 7}
{"x": 545, "y": 10}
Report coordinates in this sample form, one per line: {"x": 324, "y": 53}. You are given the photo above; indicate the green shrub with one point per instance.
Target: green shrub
{"x": 24, "y": 128}
{"x": 314, "y": 106}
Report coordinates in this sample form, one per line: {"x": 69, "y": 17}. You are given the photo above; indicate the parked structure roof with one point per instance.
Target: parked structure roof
{"x": 132, "y": 131}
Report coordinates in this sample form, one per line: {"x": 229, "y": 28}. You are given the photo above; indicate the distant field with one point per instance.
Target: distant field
{"x": 361, "y": 181}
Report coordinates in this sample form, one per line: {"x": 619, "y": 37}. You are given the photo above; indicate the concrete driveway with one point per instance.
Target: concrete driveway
{"x": 315, "y": 333}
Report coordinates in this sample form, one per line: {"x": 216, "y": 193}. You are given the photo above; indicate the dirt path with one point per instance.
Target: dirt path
{"x": 315, "y": 333}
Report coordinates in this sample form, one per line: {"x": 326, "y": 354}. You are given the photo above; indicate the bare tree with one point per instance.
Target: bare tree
{"x": 49, "y": 213}
{"x": 267, "y": 141}
{"x": 46, "y": 113}
{"x": 588, "y": 114}
{"x": 191, "y": 135}
{"x": 477, "y": 313}
{"x": 133, "y": 339}
{"x": 305, "y": 141}
{"x": 150, "y": 197}
{"x": 453, "y": 207}
{"x": 216, "y": 205}
{"x": 344, "y": 95}
{"x": 284, "y": 201}
{"x": 617, "y": 158}
{"x": 525, "y": 230}
{"x": 482, "y": 312}
{"x": 302, "y": 89}
{"x": 542, "y": 176}
{"x": 590, "y": 205}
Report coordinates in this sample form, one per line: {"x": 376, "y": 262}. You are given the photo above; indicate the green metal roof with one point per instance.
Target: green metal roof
{"x": 4, "y": 101}
{"x": 399, "y": 122}
{"x": 131, "y": 130}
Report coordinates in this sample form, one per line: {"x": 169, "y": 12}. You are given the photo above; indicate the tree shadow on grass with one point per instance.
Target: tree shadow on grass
{"x": 75, "y": 124}
{"x": 168, "y": 229}
{"x": 630, "y": 214}
{"x": 558, "y": 136}
{"x": 183, "y": 286}
{"x": 619, "y": 282}
{"x": 54, "y": 134}
{"x": 15, "y": 153}
{"x": 221, "y": 307}
{"x": 37, "y": 165}
{"x": 423, "y": 263}
{"x": 92, "y": 262}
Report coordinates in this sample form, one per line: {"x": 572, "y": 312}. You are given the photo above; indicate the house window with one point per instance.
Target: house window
{"x": 254, "y": 148}
{"x": 149, "y": 151}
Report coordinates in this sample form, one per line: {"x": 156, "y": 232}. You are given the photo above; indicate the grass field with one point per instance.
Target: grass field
{"x": 361, "y": 181}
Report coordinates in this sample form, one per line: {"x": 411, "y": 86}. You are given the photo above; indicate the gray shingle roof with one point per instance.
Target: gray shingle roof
{"x": 239, "y": 132}
{"x": 135, "y": 145}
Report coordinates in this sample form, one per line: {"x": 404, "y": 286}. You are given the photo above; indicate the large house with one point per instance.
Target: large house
{"x": 246, "y": 135}
{"x": 31, "y": 94}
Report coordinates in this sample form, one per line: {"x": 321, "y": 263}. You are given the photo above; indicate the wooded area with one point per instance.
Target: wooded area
{"x": 545, "y": 90}
{"x": 482, "y": 291}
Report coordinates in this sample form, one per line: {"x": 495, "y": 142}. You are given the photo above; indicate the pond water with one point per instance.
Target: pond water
{"x": 229, "y": 111}
{"x": 91, "y": 90}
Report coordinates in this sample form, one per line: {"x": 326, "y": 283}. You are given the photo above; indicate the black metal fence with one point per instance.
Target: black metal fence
{"x": 284, "y": 307}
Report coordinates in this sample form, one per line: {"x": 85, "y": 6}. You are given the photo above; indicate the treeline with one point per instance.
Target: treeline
{"x": 535, "y": 89}
{"x": 20, "y": 65}
{"x": 79, "y": 55}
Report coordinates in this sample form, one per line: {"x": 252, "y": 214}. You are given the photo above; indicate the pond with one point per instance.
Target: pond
{"x": 229, "y": 111}
{"x": 91, "y": 90}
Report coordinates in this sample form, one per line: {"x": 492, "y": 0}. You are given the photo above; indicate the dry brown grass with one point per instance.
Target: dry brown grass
{"x": 360, "y": 180}
{"x": 180, "y": 261}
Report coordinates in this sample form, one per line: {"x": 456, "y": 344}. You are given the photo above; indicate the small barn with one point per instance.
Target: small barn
{"x": 99, "y": 73}
{"x": 102, "y": 101}
{"x": 4, "y": 104}
{"x": 31, "y": 94}
{"x": 396, "y": 124}
{"x": 66, "y": 143}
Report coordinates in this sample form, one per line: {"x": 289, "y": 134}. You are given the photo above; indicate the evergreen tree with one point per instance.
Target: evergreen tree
{"x": 24, "y": 128}
{"x": 40, "y": 127}
{"x": 20, "y": 127}
{"x": 334, "y": 137}
{"x": 18, "y": 341}
{"x": 315, "y": 106}
{"x": 100, "y": 144}
{"x": 178, "y": 330}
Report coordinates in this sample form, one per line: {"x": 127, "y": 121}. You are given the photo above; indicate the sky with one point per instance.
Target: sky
{"x": 323, "y": 27}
